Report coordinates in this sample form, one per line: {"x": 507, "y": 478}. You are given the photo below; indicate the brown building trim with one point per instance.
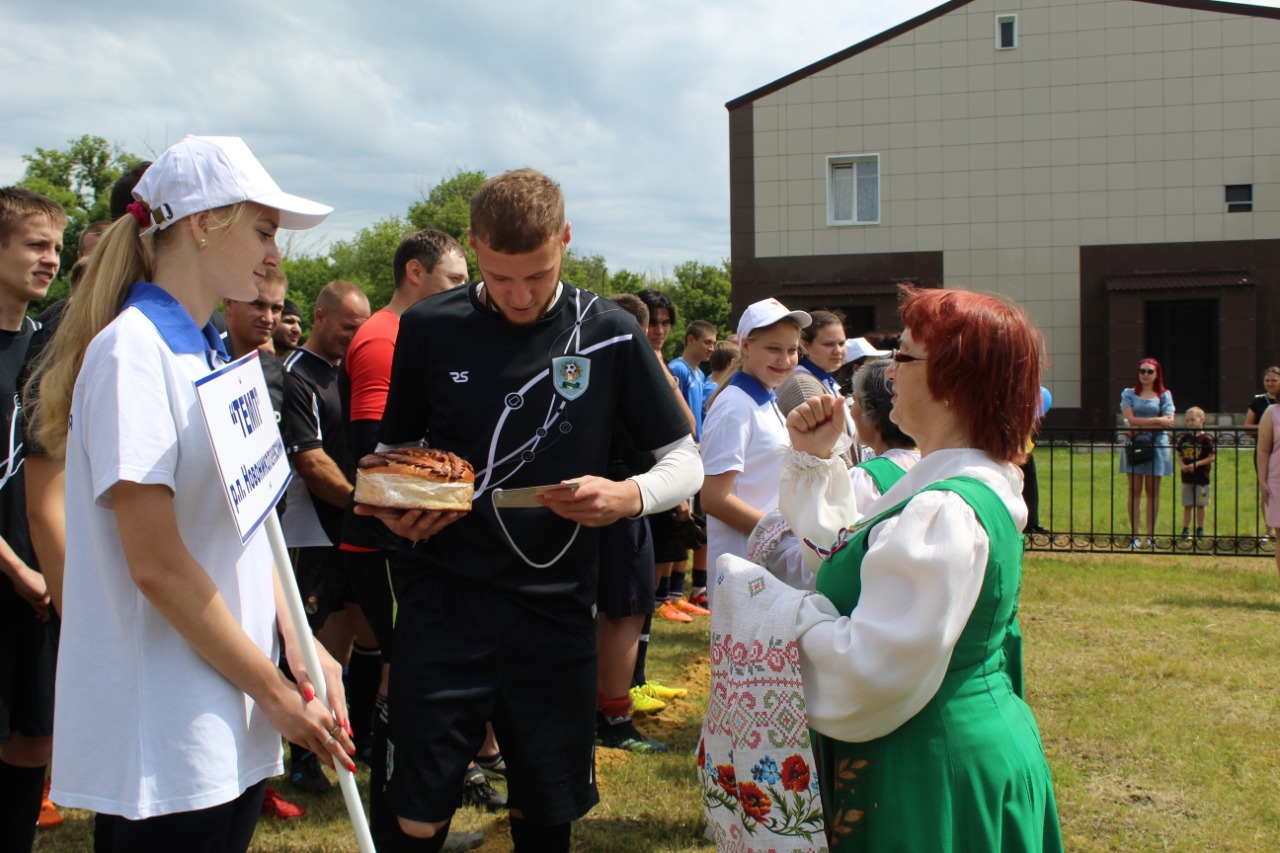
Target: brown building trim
{"x": 836, "y": 281}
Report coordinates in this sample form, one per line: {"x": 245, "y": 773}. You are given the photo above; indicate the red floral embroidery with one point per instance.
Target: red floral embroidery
{"x": 755, "y": 802}
{"x": 795, "y": 774}
{"x": 727, "y": 778}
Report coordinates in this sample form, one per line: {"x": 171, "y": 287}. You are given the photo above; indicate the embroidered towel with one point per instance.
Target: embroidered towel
{"x": 755, "y": 760}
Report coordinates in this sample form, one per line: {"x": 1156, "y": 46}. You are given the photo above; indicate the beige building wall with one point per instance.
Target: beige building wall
{"x": 1111, "y": 122}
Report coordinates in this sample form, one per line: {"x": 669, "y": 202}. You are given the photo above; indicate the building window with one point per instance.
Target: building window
{"x": 1239, "y": 198}
{"x": 1006, "y": 32}
{"x": 853, "y": 190}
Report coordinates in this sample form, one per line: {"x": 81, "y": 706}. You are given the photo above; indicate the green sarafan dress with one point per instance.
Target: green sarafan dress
{"x": 967, "y": 773}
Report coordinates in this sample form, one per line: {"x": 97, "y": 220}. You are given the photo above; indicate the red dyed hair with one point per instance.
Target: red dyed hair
{"x": 984, "y": 358}
{"x": 1158, "y": 385}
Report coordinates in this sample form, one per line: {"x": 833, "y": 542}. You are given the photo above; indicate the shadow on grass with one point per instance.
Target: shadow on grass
{"x": 1219, "y": 603}
{"x": 620, "y": 834}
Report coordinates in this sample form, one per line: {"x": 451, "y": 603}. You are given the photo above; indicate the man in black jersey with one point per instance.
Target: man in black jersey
{"x": 314, "y": 431}
{"x": 30, "y": 243}
{"x": 524, "y": 375}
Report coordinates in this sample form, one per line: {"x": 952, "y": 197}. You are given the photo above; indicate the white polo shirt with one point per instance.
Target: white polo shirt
{"x": 143, "y": 725}
{"x": 742, "y": 433}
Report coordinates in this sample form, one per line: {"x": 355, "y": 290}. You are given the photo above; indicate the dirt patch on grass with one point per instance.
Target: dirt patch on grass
{"x": 1128, "y": 792}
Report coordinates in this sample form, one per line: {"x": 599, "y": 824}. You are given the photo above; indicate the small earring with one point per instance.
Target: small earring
{"x": 204, "y": 244}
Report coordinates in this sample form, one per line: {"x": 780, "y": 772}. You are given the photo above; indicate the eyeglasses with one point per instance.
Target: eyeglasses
{"x": 1143, "y": 370}
{"x": 902, "y": 358}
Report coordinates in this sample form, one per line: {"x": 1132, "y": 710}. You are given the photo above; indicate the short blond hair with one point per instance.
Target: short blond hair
{"x": 1194, "y": 410}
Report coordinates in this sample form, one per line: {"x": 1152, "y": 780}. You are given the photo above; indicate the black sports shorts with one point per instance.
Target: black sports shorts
{"x": 466, "y": 654}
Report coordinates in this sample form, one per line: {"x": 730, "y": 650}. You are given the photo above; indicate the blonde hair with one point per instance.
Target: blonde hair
{"x": 119, "y": 260}
{"x": 1194, "y": 410}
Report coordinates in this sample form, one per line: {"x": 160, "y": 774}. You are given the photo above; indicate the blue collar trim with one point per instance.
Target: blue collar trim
{"x": 825, "y": 378}
{"x": 752, "y": 387}
{"x": 172, "y": 321}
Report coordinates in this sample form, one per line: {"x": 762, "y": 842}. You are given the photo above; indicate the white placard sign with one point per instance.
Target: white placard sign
{"x": 247, "y": 446}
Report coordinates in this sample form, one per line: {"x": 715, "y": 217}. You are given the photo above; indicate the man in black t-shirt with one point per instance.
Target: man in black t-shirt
{"x": 30, "y": 243}
{"x": 523, "y": 375}
{"x": 314, "y": 430}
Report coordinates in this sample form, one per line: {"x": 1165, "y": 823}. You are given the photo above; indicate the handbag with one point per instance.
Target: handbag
{"x": 1141, "y": 449}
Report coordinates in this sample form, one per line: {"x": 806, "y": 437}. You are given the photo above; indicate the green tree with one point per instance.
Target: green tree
{"x": 447, "y": 208}
{"x": 306, "y": 276}
{"x": 586, "y": 271}
{"x": 368, "y": 258}
{"x": 629, "y": 281}
{"x": 79, "y": 178}
{"x": 702, "y": 292}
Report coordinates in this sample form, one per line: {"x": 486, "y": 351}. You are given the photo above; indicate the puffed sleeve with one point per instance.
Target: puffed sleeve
{"x": 868, "y": 673}
{"x": 1126, "y": 399}
{"x": 865, "y": 492}
{"x": 1166, "y": 403}
{"x": 815, "y": 497}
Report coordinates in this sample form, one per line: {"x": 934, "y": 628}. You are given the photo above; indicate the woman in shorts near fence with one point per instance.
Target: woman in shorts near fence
{"x": 169, "y": 716}
{"x": 1147, "y": 456}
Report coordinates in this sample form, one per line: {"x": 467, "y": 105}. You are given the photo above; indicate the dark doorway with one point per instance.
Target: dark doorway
{"x": 858, "y": 320}
{"x": 1183, "y": 336}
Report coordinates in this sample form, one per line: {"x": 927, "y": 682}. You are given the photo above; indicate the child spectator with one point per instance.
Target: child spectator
{"x": 1196, "y": 453}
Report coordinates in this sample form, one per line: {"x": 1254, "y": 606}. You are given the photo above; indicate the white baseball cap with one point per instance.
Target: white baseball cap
{"x": 202, "y": 173}
{"x": 856, "y": 348}
{"x": 766, "y": 312}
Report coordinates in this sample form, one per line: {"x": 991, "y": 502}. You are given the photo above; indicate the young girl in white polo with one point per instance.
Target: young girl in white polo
{"x": 744, "y": 428}
{"x": 170, "y": 704}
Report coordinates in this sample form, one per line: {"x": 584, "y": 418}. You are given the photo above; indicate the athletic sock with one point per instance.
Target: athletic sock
{"x": 532, "y": 838}
{"x": 638, "y": 676}
{"x": 700, "y": 579}
{"x": 676, "y": 591}
{"x": 616, "y": 706}
{"x": 663, "y": 591}
{"x": 21, "y": 789}
{"x": 363, "y": 676}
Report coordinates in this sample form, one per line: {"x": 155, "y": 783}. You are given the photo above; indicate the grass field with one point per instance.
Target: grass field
{"x": 1153, "y": 678}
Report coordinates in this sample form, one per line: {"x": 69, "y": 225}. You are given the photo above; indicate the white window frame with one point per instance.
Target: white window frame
{"x": 842, "y": 161}
{"x": 1006, "y": 19}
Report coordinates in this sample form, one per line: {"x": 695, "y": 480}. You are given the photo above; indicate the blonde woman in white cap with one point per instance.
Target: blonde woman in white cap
{"x": 744, "y": 428}
{"x": 170, "y": 705}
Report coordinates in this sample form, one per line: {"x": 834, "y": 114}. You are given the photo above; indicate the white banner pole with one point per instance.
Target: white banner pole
{"x": 306, "y": 643}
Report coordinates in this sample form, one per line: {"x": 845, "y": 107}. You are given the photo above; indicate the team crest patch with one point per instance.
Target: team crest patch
{"x": 571, "y": 375}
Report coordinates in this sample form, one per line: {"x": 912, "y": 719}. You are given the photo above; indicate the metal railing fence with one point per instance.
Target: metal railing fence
{"x": 1084, "y": 496}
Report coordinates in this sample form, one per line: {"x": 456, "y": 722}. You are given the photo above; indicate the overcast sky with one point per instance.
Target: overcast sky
{"x": 366, "y": 105}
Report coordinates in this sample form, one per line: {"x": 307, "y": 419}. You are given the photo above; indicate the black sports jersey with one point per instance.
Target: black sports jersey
{"x": 14, "y": 350}
{"x": 527, "y": 405}
{"x": 311, "y": 419}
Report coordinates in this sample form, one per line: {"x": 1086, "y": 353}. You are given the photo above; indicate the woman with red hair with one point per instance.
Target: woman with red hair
{"x": 910, "y": 653}
{"x": 1146, "y": 406}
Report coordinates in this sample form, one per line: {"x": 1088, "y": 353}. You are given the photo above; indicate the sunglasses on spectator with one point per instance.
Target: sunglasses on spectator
{"x": 1147, "y": 370}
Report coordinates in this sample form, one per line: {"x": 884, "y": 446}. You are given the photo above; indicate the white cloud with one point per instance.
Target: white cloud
{"x": 365, "y": 105}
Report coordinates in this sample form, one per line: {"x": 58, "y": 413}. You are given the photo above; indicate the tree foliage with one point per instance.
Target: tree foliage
{"x": 447, "y": 207}
{"x": 79, "y": 178}
{"x": 367, "y": 259}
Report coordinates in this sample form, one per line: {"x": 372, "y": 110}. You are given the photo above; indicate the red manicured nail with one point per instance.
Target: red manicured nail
{"x": 308, "y": 694}
{"x": 351, "y": 767}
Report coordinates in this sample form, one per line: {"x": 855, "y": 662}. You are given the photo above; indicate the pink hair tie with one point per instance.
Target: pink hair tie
{"x": 139, "y": 211}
